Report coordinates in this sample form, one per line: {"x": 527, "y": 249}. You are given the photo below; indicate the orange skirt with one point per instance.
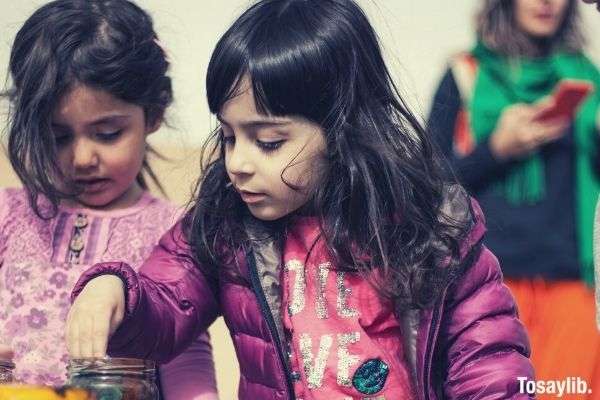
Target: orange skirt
{"x": 560, "y": 319}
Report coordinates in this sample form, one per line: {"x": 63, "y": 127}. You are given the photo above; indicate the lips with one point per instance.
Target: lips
{"x": 545, "y": 15}
{"x": 92, "y": 185}
{"x": 251, "y": 197}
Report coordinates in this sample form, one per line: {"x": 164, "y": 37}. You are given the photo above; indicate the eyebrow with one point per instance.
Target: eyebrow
{"x": 100, "y": 121}
{"x": 258, "y": 123}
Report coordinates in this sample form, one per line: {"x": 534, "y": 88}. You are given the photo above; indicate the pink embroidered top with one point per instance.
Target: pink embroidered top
{"x": 40, "y": 261}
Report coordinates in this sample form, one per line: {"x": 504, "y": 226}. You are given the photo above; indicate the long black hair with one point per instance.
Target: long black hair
{"x": 106, "y": 44}
{"x": 383, "y": 189}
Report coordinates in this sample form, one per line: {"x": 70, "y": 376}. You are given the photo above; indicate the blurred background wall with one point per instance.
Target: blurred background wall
{"x": 418, "y": 37}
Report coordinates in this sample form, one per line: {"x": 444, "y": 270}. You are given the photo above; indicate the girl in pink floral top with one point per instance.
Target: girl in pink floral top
{"x": 89, "y": 85}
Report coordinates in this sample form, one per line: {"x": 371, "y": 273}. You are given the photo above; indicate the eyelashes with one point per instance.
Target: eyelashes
{"x": 266, "y": 147}
{"x": 62, "y": 140}
{"x": 108, "y": 137}
{"x": 269, "y": 146}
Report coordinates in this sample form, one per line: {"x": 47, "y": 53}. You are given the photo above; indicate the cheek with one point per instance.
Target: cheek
{"x": 64, "y": 157}
{"x": 124, "y": 161}
{"x": 307, "y": 169}
{"x": 525, "y": 14}
{"x": 306, "y": 174}
{"x": 226, "y": 161}
{"x": 520, "y": 10}
{"x": 561, "y": 8}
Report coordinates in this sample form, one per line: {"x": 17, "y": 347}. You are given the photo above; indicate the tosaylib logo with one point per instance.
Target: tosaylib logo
{"x": 571, "y": 385}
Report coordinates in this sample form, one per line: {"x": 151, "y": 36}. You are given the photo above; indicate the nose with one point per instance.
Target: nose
{"x": 238, "y": 160}
{"x": 85, "y": 156}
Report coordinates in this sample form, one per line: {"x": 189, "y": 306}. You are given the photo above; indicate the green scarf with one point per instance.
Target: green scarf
{"x": 501, "y": 82}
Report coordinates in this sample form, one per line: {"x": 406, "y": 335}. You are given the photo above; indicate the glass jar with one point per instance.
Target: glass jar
{"x": 6, "y": 371}
{"x": 115, "y": 378}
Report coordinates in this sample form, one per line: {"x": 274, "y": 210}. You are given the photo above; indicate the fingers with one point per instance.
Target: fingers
{"x": 100, "y": 337}
{"x": 519, "y": 133}
{"x": 86, "y": 328}
{"x": 88, "y": 332}
{"x": 87, "y": 336}
{"x": 551, "y": 130}
{"x": 542, "y": 106}
{"x": 95, "y": 315}
{"x": 73, "y": 336}
{"x": 539, "y": 134}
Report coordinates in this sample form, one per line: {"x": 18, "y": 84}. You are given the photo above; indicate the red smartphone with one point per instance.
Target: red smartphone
{"x": 567, "y": 96}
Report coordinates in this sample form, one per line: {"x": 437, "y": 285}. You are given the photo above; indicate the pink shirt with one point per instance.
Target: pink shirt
{"x": 345, "y": 342}
{"x": 40, "y": 261}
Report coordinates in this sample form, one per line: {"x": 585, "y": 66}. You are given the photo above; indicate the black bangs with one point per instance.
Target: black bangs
{"x": 296, "y": 66}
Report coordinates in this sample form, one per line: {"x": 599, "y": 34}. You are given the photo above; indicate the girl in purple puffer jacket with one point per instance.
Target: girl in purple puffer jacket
{"x": 322, "y": 231}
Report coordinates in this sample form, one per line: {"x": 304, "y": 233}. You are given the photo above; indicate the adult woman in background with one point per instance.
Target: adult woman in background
{"x": 536, "y": 178}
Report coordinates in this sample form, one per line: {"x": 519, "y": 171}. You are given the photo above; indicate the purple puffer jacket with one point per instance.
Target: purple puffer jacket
{"x": 470, "y": 345}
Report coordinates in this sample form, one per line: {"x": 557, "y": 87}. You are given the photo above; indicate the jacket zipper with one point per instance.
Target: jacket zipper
{"x": 435, "y": 322}
{"x": 433, "y": 331}
{"x": 266, "y": 312}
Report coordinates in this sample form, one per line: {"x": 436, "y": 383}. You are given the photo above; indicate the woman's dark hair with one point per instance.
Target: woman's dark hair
{"x": 106, "y": 44}
{"x": 382, "y": 191}
{"x": 497, "y": 27}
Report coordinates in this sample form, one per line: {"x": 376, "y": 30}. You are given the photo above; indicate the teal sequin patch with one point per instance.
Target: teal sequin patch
{"x": 370, "y": 377}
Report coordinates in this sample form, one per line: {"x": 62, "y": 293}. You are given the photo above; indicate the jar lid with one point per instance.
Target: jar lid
{"x": 111, "y": 366}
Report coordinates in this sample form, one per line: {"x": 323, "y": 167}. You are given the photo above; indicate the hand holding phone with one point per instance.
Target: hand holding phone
{"x": 565, "y": 99}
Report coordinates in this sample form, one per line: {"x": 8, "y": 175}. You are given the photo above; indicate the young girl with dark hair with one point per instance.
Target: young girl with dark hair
{"x": 321, "y": 230}
{"x": 89, "y": 85}
{"x": 536, "y": 179}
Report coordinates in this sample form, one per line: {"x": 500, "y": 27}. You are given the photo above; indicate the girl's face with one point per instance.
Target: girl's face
{"x": 263, "y": 152}
{"x": 540, "y": 18}
{"x": 101, "y": 144}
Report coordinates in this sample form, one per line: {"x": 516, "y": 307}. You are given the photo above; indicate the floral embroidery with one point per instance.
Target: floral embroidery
{"x": 37, "y": 319}
{"x": 16, "y": 326}
{"x": 17, "y": 301}
{"x": 58, "y": 279}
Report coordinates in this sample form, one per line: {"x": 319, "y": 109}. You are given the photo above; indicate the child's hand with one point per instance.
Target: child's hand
{"x": 518, "y": 133}
{"x": 94, "y": 316}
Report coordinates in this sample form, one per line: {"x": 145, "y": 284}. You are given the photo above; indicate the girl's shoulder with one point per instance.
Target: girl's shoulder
{"x": 155, "y": 211}
{"x": 134, "y": 231}
{"x": 151, "y": 201}
{"x": 457, "y": 204}
{"x": 463, "y": 211}
{"x": 463, "y": 67}
{"x": 16, "y": 211}
{"x": 14, "y": 204}
{"x": 12, "y": 194}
